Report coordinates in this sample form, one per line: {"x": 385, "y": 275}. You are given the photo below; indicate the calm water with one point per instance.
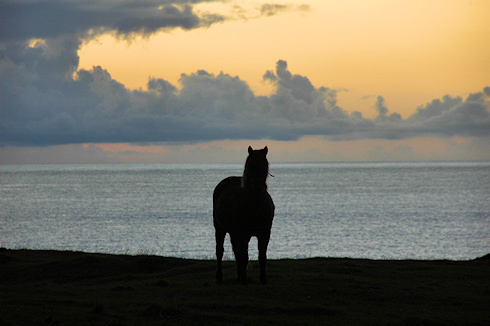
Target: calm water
{"x": 370, "y": 210}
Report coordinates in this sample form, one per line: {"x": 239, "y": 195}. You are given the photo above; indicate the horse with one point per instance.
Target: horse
{"x": 243, "y": 208}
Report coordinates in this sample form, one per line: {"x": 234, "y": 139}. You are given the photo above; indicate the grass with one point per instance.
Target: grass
{"x": 74, "y": 288}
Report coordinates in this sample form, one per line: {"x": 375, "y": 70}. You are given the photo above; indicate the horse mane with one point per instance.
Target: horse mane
{"x": 256, "y": 170}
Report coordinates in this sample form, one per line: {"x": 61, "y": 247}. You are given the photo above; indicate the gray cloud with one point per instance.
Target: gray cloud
{"x": 41, "y": 104}
{"x": 454, "y": 116}
{"x": 272, "y": 9}
{"x": 22, "y": 20}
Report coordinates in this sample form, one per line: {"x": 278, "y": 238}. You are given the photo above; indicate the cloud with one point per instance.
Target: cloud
{"x": 42, "y": 104}
{"x": 54, "y": 18}
{"x": 268, "y": 9}
{"x": 246, "y": 11}
{"x": 272, "y": 9}
{"x": 453, "y": 116}
{"x": 46, "y": 100}
{"x": 45, "y": 19}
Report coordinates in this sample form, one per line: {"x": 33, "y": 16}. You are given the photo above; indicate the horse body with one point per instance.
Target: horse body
{"x": 243, "y": 208}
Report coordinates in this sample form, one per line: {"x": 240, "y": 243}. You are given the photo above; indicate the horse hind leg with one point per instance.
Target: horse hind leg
{"x": 262, "y": 244}
{"x": 240, "y": 249}
{"x": 244, "y": 260}
{"x": 220, "y": 239}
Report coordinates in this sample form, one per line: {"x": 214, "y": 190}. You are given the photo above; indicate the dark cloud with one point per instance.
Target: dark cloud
{"x": 22, "y": 20}
{"x": 453, "y": 116}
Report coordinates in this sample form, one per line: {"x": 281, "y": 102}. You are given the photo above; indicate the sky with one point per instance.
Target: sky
{"x": 118, "y": 81}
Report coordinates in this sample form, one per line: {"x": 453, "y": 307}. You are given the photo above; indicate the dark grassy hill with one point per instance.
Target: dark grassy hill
{"x": 73, "y": 288}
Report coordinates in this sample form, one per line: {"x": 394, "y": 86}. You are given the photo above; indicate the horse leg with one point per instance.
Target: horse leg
{"x": 244, "y": 259}
{"x": 240, "y": 248}
{"x": 220, "y": 239}
{"x": 235, "y": 245}
{"x": 263, "y": 241}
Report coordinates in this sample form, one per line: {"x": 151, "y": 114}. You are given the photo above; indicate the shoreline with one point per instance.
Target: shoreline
{"x": 252, "y": 257}
{"x": 49, "y": 287}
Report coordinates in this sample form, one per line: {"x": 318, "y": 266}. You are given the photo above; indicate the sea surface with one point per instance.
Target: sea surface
{"x": 435, "y": 210}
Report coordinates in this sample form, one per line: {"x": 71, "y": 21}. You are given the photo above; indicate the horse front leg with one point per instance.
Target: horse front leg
{"x": 263, "y": 242}
{"x": 220, "y": 239}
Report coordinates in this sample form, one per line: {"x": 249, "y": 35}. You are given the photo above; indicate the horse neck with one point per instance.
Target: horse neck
{"x": 254, "y": 186}
{"x": 254, "y": 177}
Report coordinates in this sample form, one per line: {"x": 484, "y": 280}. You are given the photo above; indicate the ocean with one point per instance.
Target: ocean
{"x": 402, "y": 210}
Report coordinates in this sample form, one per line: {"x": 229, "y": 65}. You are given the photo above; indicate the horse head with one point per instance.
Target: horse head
{"x": 256, "y": 170}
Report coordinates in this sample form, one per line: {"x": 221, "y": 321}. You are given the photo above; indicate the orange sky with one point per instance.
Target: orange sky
{"x": 409, "y": 52}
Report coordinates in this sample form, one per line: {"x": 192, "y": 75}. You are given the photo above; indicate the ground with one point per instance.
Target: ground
{"x": 74, "y": 288}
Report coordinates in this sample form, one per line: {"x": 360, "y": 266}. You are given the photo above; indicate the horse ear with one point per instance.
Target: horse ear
{"x": 250, "y": 150}
{"x": 266, "y": 150}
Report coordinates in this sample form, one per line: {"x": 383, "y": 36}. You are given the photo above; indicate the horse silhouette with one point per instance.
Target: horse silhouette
{"x": 243, "y": 208}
